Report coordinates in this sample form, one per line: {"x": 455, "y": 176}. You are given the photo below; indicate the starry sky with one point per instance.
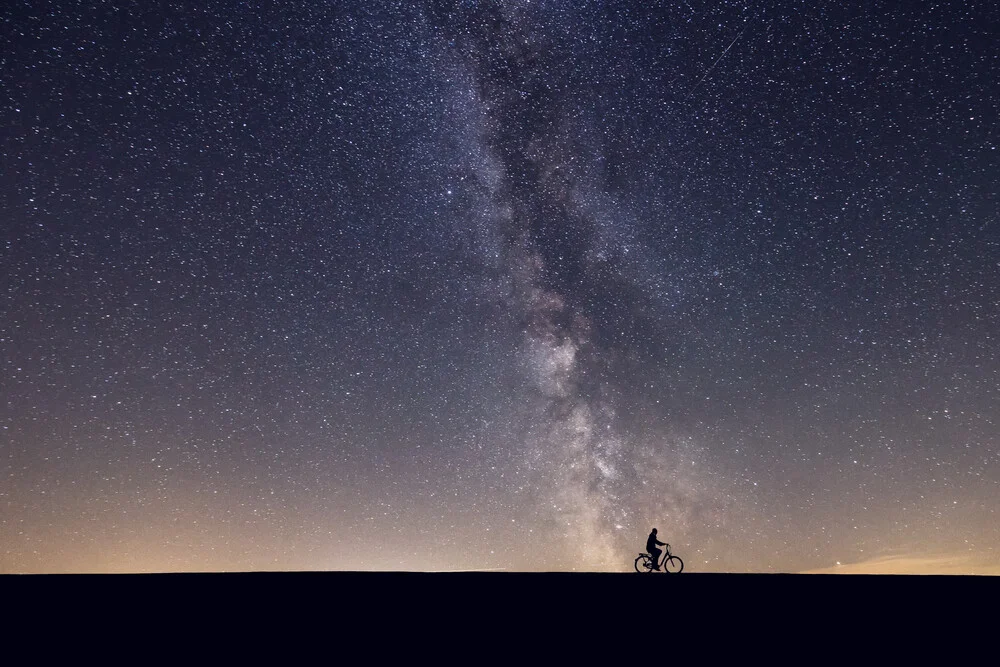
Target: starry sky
{"x": 471, "y": 284}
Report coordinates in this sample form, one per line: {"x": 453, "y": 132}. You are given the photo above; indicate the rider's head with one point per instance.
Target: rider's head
{"x": 654, "y": 531}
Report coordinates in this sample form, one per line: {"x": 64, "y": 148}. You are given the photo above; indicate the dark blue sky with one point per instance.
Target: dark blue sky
{"x": 498, "y": 284}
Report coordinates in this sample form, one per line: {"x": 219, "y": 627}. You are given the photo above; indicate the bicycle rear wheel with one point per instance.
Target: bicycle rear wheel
{"x": 642, "y": 564}
{"x": 673, "y": 565}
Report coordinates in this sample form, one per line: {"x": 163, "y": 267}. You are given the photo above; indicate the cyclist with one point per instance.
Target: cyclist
{"x": 651, "y": 543}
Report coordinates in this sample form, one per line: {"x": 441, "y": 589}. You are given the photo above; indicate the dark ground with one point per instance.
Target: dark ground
{"x": 717, "y": 614}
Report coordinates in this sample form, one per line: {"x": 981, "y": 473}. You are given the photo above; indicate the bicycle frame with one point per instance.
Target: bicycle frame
{"x": 667, "y": 557}
{"x": 663, "y": 556}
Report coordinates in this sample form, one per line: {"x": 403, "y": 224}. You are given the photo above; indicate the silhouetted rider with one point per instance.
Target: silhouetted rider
{"x": 651, "y": 543}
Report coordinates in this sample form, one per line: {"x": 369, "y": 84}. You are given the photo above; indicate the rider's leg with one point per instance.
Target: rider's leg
{"x": 655, "y": 554}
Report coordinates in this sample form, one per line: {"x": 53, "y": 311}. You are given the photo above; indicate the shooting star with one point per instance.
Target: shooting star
{"x": 709, "y": 71}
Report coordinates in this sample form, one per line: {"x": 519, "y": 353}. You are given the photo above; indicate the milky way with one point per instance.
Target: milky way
{"x": 541, "y": 191}
{"x": 502, "y": 285}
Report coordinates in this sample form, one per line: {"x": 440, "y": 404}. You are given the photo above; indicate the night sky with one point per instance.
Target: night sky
{"x": 456, "y": 285}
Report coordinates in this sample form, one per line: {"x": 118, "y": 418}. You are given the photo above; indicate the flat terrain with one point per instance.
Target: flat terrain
{"x": 529, "y": 593}
{"x": 392, "y": 611}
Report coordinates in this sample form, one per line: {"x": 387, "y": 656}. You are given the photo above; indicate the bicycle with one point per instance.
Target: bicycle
{"x": 670, "y": 563}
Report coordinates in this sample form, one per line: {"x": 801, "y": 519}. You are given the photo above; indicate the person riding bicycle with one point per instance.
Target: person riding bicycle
{"x": 651, "y": 543}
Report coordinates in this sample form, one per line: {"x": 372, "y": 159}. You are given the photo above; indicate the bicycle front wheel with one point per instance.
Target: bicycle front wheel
{"x": 642, "y": 565}
{"x": 673, "y": 565}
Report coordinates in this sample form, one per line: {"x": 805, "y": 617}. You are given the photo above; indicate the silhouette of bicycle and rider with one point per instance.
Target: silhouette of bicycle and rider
{"x": 650, "y": 561}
